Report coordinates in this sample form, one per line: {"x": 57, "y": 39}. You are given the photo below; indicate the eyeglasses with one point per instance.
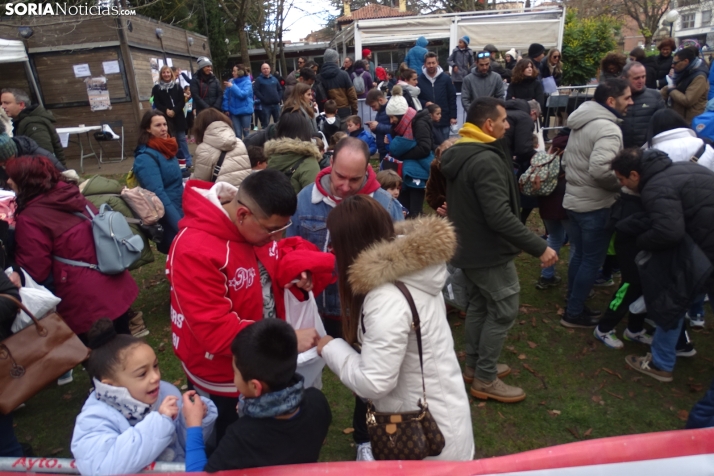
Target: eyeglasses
{"x": 268, "y": 232}
{"x": 483, "y": 54}
{"x": 556, "y": 56}
{"x": 675, "y": 62}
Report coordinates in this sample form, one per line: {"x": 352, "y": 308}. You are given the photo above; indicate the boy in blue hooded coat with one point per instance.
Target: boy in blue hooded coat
{"x": 415, "y": 56}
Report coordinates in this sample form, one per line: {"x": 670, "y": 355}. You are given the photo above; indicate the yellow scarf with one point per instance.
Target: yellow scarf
{"x": 473, "y": 133}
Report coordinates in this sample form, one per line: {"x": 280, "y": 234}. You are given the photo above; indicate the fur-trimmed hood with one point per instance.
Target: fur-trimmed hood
{"x": 417, "y": 257}
{"x": 287, "y": 146}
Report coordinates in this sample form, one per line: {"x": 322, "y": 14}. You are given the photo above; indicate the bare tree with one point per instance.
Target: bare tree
{"x": 237, "y": 12}
{"x": 647, "y": 14}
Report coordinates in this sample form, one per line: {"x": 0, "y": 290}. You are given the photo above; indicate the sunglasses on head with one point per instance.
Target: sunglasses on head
{"x": 483, "y": 54}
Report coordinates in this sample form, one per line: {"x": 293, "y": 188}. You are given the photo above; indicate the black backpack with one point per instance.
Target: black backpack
{"x": 321, "y": 96}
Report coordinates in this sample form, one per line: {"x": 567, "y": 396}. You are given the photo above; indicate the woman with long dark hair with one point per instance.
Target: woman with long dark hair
{"x": 300, "y": 100}
{"x": 157, "y": 169}
{"x": 525, "y": 83}
{"x": 47, "y": 227}
{"x": 169, "y": 99}
{"x": 373, "y": 256}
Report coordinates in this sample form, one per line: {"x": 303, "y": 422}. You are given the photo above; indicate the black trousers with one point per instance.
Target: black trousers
{"x": 630, "y": 289}
{"x": 413, "y": 200}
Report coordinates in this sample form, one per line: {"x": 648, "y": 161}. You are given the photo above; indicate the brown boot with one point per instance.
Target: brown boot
{"x": 137, "y": 327}
{"x": 502, "y": 369}
{"x": 496, "y": 390}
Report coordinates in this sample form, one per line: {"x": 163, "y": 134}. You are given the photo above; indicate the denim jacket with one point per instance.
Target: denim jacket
{"x": 310, "y": 222}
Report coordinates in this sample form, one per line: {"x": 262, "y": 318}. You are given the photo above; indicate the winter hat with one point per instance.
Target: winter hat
{"x": 512, "y": 53}
{"x": 490, "y": 48}
{"x": 366, "y": 52}
{"x": 466, "y": 40}
{"x": 9, "y": 149}
{"x": 397, "y": 105}
{"x": 202, "y": 62}
{"x": 331, "y": 56}
{"x": 535, "y": 50}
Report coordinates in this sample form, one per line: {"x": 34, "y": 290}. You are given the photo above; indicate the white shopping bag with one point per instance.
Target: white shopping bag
{"x": 304, "y": 315}
{"x": 38, "y": 299}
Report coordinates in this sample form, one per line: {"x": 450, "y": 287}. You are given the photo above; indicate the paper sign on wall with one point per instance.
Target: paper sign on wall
{"x": 98, "y": 94}
{"x": 81, "y": 70}
{"x": 169, "y": 62}
{"x": 155, "y": 67}
{"x": 111, "y": 67}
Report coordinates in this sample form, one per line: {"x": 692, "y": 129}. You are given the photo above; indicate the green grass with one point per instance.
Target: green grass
{"x": 590, "y": 385}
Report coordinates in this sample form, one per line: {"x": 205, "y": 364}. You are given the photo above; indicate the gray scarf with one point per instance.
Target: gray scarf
{"x": 166, "y": 86}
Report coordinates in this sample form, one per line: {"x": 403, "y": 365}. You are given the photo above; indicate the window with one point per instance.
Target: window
{"x": 688, "y": 20}
{"x": 706, "y": 17}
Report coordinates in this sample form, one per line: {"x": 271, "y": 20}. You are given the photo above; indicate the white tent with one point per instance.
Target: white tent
{"x": 13, "y": 51}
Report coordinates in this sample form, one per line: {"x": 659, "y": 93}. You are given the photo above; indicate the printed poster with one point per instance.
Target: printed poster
{"x": 98, "y": 94}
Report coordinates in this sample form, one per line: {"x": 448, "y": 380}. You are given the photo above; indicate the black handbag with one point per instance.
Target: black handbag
{"x": 408, "y": 435}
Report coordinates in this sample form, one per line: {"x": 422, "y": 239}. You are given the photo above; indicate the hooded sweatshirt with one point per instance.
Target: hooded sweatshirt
{"x": 595, "y": 140}
{"x": 479, "y": 177}
{"x": 339, "y": 88}
{"x": 415, "y": 57}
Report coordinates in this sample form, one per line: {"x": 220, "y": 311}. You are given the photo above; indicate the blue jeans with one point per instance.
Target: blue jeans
{"x": 241, "y": 125}
{"x": 183, "y": 152}
{"x": 267, "y": 112}
{"x": 445, "y": 131}
{"x": 664, "y": 347}
{"x": 588, "y": 232}
{"x": 556, "y": 238}
{"x": 697, "y": 307}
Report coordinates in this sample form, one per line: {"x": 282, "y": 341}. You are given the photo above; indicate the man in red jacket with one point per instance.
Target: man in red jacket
{"x": 222, "y": 268}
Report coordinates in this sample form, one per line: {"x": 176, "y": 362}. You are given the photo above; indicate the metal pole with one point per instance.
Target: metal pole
{"x": 67, "y": 466}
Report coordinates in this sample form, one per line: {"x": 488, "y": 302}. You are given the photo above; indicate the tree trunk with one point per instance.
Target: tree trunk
{"x": 243, "y": 37}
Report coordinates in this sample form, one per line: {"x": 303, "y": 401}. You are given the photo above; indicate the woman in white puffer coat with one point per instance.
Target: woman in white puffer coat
{"x": 214, "y": 135}
{"x": 372, "y": 254}
{"x": 670, "y": 133}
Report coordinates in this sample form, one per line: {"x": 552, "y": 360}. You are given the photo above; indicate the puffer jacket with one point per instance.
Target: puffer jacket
{"x": 662, "y": 66}
{"x": 387, "y": 371}
{"x": 284, "y": 154}
{"x": 683, "y": 144}
{"x": 637, "y": 120}
{"x": 219, "y": 137}
{"x": 104, "y": 442}
{"x": 595, "y": 140}
{"x": 463, "y": 60}
{"x": 519, "y": 135}
{"x": 27, "y": 146}
{"x": 38, "y": 124}
{"x": 339, "y": 88}
{"x": 439, "y": 90}
{"x": 238, "y": 98}
{"x": 528, "y": 89}
{"x": 415, "y": 56}
{"x": 205, "y": 92}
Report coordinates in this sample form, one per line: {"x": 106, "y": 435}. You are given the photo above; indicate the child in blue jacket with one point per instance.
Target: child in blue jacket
{"x": 132, "y": 418}
{"x": 355, "y": 129}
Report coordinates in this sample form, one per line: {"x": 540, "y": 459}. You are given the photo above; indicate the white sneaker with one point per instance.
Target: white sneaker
{"x": 364, "y": 452}
{"x": 642, "y": 337}
{"x": 696, "y": 321}
{"x": 608, "y": 338}
{"x": 65, "y": 378}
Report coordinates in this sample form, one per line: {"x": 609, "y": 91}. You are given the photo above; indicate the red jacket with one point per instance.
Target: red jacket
{"x": 47, "y": 227}
{"x": 215, "y": 286}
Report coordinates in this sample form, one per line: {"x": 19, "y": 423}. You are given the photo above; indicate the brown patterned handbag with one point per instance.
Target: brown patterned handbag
{"x": 408, "y": 435}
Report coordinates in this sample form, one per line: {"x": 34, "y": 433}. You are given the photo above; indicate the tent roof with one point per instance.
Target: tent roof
{"x": 12, "y": 51}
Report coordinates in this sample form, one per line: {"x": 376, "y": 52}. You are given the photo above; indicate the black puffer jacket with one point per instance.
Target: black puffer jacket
{"x": 662, "y": 66}
{"x": 519, "y": 135}
{"x": 206, "y": 92}
{"x": 421, "y": 128}
{"x": 529, "y": 88}
{"x": 635, "y": 123}
{"x": 27, "y": 146}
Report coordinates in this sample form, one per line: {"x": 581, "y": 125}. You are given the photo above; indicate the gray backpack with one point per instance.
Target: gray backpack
{"x": 116, "y": 246}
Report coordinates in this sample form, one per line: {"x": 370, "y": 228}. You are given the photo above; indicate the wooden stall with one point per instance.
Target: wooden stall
{"x": 65, "y": 51}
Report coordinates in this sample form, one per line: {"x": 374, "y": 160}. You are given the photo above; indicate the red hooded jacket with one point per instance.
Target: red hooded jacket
{"x": 215, "y": 285}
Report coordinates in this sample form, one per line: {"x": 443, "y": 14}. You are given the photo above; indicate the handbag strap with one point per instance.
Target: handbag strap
{"x": 217, "y": 167}
{"x": 416, "y": 325}
{"x": 695, "y": 158}
{"x": 40, "y": 330}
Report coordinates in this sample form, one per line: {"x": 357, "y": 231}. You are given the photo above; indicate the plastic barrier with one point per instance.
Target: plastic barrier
{"x": 684, "y": 452}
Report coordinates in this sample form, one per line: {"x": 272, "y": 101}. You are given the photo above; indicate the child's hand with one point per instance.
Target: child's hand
{"x": 169, "y": 407}
{"x": 194, "y": 410}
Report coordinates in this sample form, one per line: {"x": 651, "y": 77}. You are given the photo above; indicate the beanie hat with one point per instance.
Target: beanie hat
{"x": 397, "y": 105}
{"x": 466, "y": 40}
{"x": 331, "y": 56}
{"x": 535, "y": 50}
{"x": 490, "y": 48}
{"x": 366, "y": 52}
{"x": 202, "y": 62}
{"x": 513, "y": 53}
{"x": 8, "y": 148}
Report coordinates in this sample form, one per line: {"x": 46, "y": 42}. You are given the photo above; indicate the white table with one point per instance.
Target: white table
{"x": 65, "y": 132}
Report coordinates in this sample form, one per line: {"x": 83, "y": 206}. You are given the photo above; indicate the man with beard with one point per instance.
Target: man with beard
{"x": 481, "y": 82}
{"x": 437, "y": 88}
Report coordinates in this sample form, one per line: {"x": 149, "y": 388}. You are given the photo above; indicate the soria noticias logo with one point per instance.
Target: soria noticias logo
{"x": 50, "y": 9}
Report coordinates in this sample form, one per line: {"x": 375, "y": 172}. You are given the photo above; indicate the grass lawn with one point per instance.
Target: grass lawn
{"x": 577, "y": 388}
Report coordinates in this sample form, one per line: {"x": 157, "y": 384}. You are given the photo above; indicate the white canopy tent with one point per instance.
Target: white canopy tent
{"x": 504, "y": 28}
{"x": 13, "y": 51}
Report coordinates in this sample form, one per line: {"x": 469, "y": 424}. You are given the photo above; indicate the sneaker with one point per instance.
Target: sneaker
{"x": 137, "y": 327}
{"x": 644, "y": 365}
{"x": 603, "y": 281}
{"x": 696, "y": 321}
{"x": 591, "y": 312}
{"x": 65, "y": 379}
{"x": 364, "y": 452}
{"x": 687, "y": 351}
{"x": 502, "y": 369}
{"x": 581, "y": 321}
{"x": 546, "y": 283}
{"x": 642, "y": 337}
{"x": 609, "y": 339}
{"x": 497, "y": 390}
{"x": 616, "y": 272}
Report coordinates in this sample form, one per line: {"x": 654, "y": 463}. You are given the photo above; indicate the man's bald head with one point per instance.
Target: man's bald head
{"x": 349, "y": 167}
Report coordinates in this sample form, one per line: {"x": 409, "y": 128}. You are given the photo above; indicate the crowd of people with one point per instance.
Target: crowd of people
{"x": 295, "y": 216}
